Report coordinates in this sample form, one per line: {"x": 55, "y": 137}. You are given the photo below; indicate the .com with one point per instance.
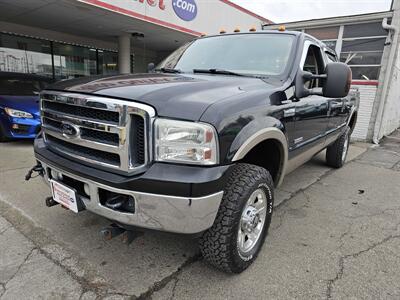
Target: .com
{"x": 190, "y": 7}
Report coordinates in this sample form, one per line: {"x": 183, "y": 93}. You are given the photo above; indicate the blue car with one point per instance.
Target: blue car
{"x": 19, "y": 105}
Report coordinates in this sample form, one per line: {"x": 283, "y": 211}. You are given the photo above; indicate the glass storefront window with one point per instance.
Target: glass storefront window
{"x": 25, "y": 55}
{"x": 74, "y": 61}
{"x": 108, "y": 62}
{"x": 373, "y": 44}
{"x": 364, "y": 30}
{"x": 29, "y": 55}
{"x": 365, "y": 73}
{"x": 361, "y": 58}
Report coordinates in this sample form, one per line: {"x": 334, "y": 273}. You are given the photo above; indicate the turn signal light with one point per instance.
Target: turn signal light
{"x": 281, "y": 28}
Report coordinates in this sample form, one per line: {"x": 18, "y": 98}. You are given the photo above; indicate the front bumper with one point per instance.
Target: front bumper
{"x": 188, "y": 204}
{"x": 20, "y": 128}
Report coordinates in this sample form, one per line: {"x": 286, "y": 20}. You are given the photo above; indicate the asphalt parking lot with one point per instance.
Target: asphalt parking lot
{"x": 335, "y": 234}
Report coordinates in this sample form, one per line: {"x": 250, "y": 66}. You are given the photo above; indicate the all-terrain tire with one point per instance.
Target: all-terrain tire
{"x": 219, "y": 244}
{"x": 337, "y": 152}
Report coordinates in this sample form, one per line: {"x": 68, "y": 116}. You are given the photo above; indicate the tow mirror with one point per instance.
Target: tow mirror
{"x": 335, "y": 82}
{"x": 338, "y": 80}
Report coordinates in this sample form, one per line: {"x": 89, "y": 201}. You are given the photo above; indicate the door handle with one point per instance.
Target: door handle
{"x": 289, "y": 112}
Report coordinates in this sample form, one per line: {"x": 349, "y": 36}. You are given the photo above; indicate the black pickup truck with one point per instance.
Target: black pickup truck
{"x": 197, "y": 145}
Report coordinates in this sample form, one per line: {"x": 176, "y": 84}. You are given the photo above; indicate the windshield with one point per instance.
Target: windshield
{"x": 248, "y": 54}
{"x": 21, "y": 87}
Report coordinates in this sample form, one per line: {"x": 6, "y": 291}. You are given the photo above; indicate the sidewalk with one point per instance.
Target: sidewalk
{"x": 26, "y": 272}
{"x": 335, "y": 234}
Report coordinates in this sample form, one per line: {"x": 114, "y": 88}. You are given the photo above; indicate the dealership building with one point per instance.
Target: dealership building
{"x": 73, "y": 38}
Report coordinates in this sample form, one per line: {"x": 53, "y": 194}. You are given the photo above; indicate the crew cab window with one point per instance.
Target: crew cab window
{"x": 331, "y": 58}
{"x": 314, "y": 64}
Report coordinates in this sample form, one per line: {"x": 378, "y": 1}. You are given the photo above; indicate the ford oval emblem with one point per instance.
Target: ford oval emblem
{"x": 185, "y": 9}
{"x": 69, "y": 130}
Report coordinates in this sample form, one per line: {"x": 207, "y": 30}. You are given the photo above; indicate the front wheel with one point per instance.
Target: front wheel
{"x": 336, "y": 153}
{"x": 242, "y": 222}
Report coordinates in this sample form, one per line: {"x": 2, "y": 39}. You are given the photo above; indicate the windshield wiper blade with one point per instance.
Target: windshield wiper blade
{"x": 169, "y": 70}
{"x": 217, "y": 71}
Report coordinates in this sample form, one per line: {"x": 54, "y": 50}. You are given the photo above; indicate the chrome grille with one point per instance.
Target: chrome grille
{"x": 108, "y": 133}
{"x": 79, "y": 111}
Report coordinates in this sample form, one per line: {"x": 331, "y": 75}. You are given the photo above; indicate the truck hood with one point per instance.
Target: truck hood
{"x": 183, "y": 96}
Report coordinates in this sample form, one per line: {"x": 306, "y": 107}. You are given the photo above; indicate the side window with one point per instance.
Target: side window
{"x": 314, "y": 63}
{"x": 331, "y": 58}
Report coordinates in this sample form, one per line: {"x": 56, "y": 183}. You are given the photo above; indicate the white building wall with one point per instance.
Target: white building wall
{"x": 391, "y": 117}
{"x": 367, "y": 98}
{"x": 388, "y": 112}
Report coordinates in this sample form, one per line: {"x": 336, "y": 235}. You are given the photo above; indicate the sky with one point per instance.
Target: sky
{"x": 280, "y": 11}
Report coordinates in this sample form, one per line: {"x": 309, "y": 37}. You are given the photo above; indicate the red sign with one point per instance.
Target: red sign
{"x": 159, "y": 3}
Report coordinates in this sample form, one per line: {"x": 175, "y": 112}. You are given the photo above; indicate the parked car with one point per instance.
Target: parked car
{"x": 198, "y": 146}
{"x": 19, "y": 105}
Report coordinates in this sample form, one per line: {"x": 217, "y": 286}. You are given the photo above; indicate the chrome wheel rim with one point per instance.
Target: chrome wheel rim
{"x": 345, "y": 148}
{"x": 252, "y": 221}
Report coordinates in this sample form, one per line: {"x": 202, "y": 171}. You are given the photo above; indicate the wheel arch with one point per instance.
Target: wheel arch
{"x": 261, "y": 140}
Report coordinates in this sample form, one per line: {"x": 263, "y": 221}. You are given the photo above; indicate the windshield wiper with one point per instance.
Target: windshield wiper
{"x": 169, "y": 70}
{"x": 217, "y": 71}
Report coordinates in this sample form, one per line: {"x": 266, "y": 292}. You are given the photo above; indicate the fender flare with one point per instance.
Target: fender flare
{"x": 261, "y": 136}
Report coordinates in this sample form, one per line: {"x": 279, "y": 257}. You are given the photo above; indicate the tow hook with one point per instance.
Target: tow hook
{"x": 112, "y": 231}
{"x": 50, "y": 201}
{"x": 38, "y": 169}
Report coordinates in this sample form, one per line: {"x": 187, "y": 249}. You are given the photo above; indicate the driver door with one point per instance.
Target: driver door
{"x": 311, "y": 115}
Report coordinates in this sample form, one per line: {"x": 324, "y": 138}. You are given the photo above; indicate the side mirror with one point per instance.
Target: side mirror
{"x": 338, "y": 80}
{"x": 150, "y": 67}
{"x": 335, "y": 82}
{"x": 300, "y": 89}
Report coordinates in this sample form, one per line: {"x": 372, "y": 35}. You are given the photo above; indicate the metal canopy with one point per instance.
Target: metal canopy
{"x": 73, "y": 17}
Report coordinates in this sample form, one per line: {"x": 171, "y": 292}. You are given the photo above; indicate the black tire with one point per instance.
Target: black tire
{"x": 3, "y": 138}
{"x": 337, "y": 152}
{"x": 219, "y": 244}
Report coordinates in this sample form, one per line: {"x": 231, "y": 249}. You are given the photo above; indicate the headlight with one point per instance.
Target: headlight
{"x": 185, "y": 142}
{"x": 17, "y": 113}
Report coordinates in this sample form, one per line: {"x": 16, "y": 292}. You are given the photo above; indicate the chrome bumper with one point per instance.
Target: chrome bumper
{"x": 153, "y": 211}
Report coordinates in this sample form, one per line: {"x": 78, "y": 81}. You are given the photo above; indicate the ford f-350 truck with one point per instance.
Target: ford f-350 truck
{"x": 198, "y": 145}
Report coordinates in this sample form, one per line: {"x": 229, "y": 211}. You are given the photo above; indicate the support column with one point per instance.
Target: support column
{"x": 124, "y": 53}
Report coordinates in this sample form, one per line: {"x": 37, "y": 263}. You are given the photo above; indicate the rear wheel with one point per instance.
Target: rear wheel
{"x": 242, "y": 222}
{"x": 336, "y": 153}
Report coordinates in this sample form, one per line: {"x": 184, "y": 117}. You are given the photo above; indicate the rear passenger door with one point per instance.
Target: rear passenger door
{"x": 312, "y": 111}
